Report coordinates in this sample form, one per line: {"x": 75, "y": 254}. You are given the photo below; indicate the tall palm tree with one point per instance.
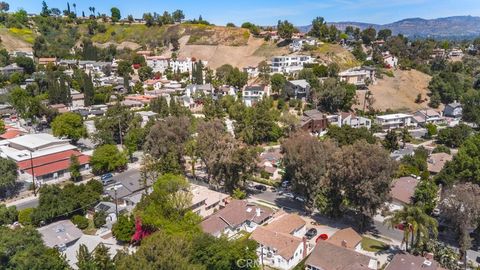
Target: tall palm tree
{"x": 418, "y": 226}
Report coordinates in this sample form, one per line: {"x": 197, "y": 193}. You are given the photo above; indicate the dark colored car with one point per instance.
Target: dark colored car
{"x": 311, "y": 233}
{"x": 261, "y": 187}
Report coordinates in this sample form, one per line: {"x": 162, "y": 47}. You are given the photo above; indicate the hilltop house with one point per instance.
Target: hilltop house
{"x": 289, "y": 63}
{"x": 354, "y": 121}
{"x": 280, "y": 243}
{"x": 252, "y": 71}
{"x": 298, "y": 43}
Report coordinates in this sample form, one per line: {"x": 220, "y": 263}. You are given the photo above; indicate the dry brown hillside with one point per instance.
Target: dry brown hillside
{"x": 16, "y": 39}
{"x": 398, "y": 93}
{"x": 217, "y": 55}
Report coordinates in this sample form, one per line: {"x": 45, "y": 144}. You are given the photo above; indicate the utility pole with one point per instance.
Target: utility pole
{"x": 33, "y": 176}
{"x": 120, "y": 132}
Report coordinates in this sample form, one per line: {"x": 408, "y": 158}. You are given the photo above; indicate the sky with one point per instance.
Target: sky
{"x": 268, "y": 12}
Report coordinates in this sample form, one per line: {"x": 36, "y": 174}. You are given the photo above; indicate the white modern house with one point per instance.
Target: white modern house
{"x": 289, "y": 63}
{"x": 157, "y": 63}
{"x": 428, "y": 116}
{"x": 354, "y": 121}
{"x": 253, "y": 93}
{"x": 298, "y": 43}
{"x": 393, "y": 121}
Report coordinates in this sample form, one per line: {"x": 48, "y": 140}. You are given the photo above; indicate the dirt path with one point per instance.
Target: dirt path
{"x": 398, "y": 93}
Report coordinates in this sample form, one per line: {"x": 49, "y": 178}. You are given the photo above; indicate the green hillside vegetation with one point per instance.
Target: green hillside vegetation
{"x": 334, "y": 53}
{"x": 199, "y": 34}
{"x": 23, "y": 34}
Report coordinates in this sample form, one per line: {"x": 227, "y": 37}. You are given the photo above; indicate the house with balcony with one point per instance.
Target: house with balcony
{"x": 205, "y": 201}
{"x": 354, "y": 121}
{"x": 428, "y": 116}
{"x": 289, "y": 63}
{"x": 299, "y": 89}
{"x": 298, "y": 43}
{"x": 281, "y": 244}
{"x": 359, "y": 77}
{"x": 393, "y": 121}
{"x": 314, "y": 121}
{"x": 252, "y": 94}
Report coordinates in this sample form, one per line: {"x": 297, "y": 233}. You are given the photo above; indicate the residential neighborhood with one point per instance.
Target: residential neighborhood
{"x": 134, "y": 136}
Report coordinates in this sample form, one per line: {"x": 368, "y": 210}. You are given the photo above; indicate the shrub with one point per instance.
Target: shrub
{"x": 80, "y": 221}
{"x": 25, "y": 216}
{"x": 99, "y": 219}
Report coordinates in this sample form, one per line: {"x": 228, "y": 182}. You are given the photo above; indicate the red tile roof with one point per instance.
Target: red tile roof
{"x": 52, "y": 163}
{"x": 10, "y": 134}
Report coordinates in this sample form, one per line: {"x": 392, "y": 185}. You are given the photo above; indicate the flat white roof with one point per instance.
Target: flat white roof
{"x": 35, "y": 140}
{"x": 201, "y": 193}
{"x": 393, "y": 116}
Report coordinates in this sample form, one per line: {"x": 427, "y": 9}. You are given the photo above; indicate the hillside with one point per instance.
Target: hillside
{"x": 155, "y": 36}
{"x": 398, "y": 93}
{"x": 334, "y": 53}
{"x": 14, "y": 39}
{"x": 449, "y": 27}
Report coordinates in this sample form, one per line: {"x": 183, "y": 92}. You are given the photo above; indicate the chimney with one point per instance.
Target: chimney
{"x": 344, "y": 243}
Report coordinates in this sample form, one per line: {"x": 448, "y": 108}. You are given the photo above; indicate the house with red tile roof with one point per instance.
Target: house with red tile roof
{"x": 281, "y": 244}
{"x": 42, "y": 156}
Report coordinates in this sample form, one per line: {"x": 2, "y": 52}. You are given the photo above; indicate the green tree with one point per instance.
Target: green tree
{"x": 426, "y": 194}
{"x": 471, "y": 107}
{"x": 107, "y": 158}
{"x": 145, "y": 73}
{"x": 99, "y": 219}
{"x": 84, "y": 259}
{"x": 418, "y": 226}
{"x": 319, "y": 28}
{"x": 285, "y": 29}
{"x": 368, "y": 35}
{"x": 8, "y": 176}
{"x": 115, "y": 14}
{"x": 124, "y": 228}
{"x": 26, "y": 250}
{"x": 124, "y": 68}
{"x": 304, "y": 166}
{"x": 346, "y": 135}
{"x": 69, "y": 125}
{"x": 160, "y": 106}
{"x": 8, "y": 215}
{"x": 455, "y": 136}
{"x": 2, "y": 127}
{"x": 178, "y": 15}
{"x": 278, "y": 82}
{"x": 80, "y": 221}
{"x": 384, "y": 34}
{"x": 26, "y": 63}
{"x": 391, "y": 141}
{"x": 74, "y": 169}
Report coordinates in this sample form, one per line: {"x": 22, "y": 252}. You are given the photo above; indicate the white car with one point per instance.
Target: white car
{"x": 288, "y": 195}
{"x": 300, "y": 199}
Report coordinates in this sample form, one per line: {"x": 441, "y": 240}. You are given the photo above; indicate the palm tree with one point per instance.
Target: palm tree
{"x": 418, "y": 226}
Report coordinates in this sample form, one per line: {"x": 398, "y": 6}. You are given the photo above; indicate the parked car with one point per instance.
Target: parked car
{"x": 311, "y": 233}
{"x": 261, "y": 188}
{"x": 288, "y": 195}
{"x": 106, "y": 176}
{"x": 273, "y": 189}
{"x": 285, "y": 184}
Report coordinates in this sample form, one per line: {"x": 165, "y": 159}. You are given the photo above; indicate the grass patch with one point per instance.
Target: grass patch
{"x": 90, "y": 230}
{"x": 267, "y": 182}
{"x": 373, "y": 245}
{"x": 24, "y": 34}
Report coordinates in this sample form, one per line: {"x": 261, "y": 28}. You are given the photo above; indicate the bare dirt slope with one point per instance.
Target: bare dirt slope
{"x": 217, "y": 55}
{"x": 398, "y": 93}
{"x": 12, "y": 43}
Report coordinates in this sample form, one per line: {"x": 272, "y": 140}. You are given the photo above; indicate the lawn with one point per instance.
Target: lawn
{"x": 373, "y": 245}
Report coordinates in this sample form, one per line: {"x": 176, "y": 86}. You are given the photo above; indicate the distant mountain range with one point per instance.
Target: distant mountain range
{"x": 457, "y": 27}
